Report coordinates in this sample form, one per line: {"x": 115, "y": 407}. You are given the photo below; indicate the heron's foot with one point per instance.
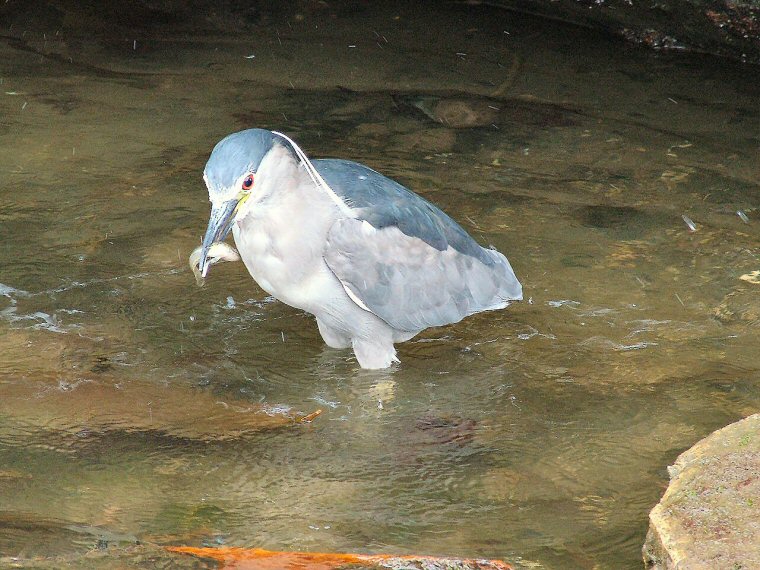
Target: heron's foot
{"x": 332, "y": 337}
{"x": 374, "y": 354}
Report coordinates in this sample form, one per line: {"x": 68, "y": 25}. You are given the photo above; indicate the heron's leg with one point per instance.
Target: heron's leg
{"x": 332, "y": 337}
{"x": 374, "y": 353}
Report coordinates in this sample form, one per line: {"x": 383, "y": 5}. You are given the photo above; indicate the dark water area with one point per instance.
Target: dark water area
{"x": 137, "y": 407}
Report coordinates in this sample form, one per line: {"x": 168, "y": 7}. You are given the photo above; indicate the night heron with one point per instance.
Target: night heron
{"x": 374, "y": 262}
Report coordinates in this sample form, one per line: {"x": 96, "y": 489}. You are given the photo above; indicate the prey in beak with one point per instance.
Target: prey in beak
{"x": 213, "y": 248}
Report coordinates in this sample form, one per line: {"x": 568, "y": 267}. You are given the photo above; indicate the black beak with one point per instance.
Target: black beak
{"x": 219, "y": 225}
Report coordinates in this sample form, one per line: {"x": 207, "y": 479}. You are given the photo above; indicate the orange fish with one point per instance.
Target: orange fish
{"x": 233, "y": 558}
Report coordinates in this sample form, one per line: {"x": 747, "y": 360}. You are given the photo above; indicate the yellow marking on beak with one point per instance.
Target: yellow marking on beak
{"x": 242, "y": 197}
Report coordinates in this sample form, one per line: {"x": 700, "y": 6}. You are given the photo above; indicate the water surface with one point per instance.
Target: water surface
{"x": 539, "y": 434}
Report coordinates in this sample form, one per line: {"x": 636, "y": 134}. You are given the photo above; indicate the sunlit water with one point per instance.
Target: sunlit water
{"x": 539, "y": 434}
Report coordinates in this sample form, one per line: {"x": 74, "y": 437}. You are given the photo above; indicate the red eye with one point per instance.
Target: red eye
{"x": 248, "y": 182}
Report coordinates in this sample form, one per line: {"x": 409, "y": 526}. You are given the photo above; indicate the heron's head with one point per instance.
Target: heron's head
{"x": 242, "y": 168}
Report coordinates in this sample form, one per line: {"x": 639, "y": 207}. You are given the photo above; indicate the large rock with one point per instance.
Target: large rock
{"x": 709, "y": 515}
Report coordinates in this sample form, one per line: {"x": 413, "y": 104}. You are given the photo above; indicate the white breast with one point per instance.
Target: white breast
{"x": 281, "y": 242}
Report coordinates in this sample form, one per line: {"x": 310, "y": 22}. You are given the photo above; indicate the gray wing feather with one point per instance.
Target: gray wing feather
{"x": 412, "y": 285}
{"x": 383, "y": 203}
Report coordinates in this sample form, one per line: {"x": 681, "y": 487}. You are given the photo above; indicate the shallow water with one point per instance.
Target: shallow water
{"x": 539, "y": 434}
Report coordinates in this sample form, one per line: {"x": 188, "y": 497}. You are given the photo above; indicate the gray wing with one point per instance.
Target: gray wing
{"x": 383, "y": 202}
{"x": 407, "y": 261}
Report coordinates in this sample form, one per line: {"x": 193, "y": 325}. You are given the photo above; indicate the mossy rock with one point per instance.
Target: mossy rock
{"x": 708, "y": 517}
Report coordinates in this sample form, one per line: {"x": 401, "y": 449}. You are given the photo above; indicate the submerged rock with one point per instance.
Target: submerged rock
{"x": 460, "y": 111}
{"x": 708, "y": 517}
{"x": 740, "y": 305}
{"x": 94, "y": 406}
{"x": 68, "y": 388}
